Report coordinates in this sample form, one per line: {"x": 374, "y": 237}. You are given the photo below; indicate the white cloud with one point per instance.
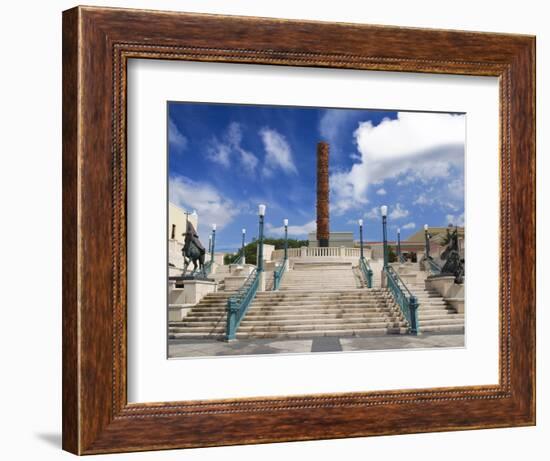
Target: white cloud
{"x": 230, "y": 146}
{"x": 381, "y": 191}
{"x": 409, "y": 225}
{"x": 175, "y": 138}
{"x": 278, "y": 153}
{"x": 423, "y": 199}
{"x": 299, "y": 230}
{"x": 219, "y": 152}
{"x": 373, "y": 213}
{"x": 398, "y": 212}
{"x": 414, "y": 147}
{"x": 212, "y": 207}
{"x": 342, "y": 194}
{"x": 455, "y": 220}
{"x": 448, "y": 198}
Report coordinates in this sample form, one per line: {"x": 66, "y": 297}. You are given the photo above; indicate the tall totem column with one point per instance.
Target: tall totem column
{"x": 323, "y": 226}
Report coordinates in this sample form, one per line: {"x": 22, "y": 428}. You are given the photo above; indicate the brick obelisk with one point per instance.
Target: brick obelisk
{"x": 322, "y": 195}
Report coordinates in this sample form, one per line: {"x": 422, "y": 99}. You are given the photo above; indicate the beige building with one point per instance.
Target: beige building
{"x": 177, "y": 222}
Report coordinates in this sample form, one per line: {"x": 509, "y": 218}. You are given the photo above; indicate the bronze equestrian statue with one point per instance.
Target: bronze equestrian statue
{"x": 193, "y": 251}
{"x": 454, "y": 264}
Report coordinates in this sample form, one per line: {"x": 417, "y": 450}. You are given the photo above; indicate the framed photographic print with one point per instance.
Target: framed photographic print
{"x": 281, "y": 230}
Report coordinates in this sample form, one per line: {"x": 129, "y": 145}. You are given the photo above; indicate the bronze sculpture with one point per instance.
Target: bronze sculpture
{"x": 193, "y": 251}
{"x": 454, "y": 263}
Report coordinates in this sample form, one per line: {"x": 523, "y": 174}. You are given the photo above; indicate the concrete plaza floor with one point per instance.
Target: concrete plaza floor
{"x": 215, "y": 348}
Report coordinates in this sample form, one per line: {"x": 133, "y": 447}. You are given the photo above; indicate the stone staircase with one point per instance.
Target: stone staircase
{"x": 294, "y": 313}
{"x": 321, "y": 276}
{"x": 206, "y": 320}
{"x": 434, "y": 313}
{"x": 320, "y": 299}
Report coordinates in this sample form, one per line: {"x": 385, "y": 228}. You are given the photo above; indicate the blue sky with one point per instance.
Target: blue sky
{"x": 226, "y": 159}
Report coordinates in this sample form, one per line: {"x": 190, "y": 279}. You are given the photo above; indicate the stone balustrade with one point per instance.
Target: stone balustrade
{"x": 321, "y": 252}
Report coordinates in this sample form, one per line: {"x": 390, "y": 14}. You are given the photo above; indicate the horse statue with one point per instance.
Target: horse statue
{"x": 454, "y": 264}
{"x": 193, "y": 251}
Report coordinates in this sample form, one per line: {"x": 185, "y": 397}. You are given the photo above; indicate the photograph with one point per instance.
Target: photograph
{"x": 313, "y": 229}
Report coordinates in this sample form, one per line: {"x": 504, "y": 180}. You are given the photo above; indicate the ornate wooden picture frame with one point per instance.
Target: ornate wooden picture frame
{"x": 97, "y": 44}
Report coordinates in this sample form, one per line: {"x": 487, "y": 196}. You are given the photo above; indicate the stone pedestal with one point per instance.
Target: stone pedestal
{"x": 442, "y": 284}
{"x": 192, "y": 292}
{"x": 262, "y": 281}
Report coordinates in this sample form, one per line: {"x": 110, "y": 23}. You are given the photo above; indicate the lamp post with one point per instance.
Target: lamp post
{"x": 210, "y": 245}
{"x": 261, "y": 214}
{"x": 427, "y": 240}
{"x": 213, "y": 243}
{"x": 242, "y": 247}
{"x": 361, "y": 237}
{"x": 384, "y": 211}
{"x": 399, "y": 244}
{"x": 285, "y": 222}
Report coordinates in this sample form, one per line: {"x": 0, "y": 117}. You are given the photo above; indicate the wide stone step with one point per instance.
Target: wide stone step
{"x": 422, "y": 293}
{"x": 441, "y": 328}
{"x": 309, "y": 302}
{"x": 337, "y": 284}
{"x": 289, "y": 313}
{"x": 333, "y": 320}
{"x": 433, "y": 305}
{"x": 196, "y": 335}
{"x": 325, "y": 327}
{"x": 317, "y": 275}
{"x": 324, "y": 294}
{"x": 321, "y": 304}
{"x": 277, "y": 322}
{"x": 319, "y": 307}
{"x": 300, "y": 294}
{"x": 446, "y": 321}
{"x": 318, "y": 333}
{"x": 301, "y": 287}
{"x": 294, "y": 305}
{"x": 423, "y": 315}
{"x": 440, "y": 316}
{"x": 198, "y": 329}
{"x": 198, "y": 319}
{"x": 212, "y": 304}
{"x": 331, "y": 290}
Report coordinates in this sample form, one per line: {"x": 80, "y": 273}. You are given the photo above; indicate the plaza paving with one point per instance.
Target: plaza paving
{"x": 211, "y": 348}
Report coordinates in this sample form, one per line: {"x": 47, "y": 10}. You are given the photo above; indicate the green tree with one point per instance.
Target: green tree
{"x": 251, "y": 249}
{"x": 392, "y": 255}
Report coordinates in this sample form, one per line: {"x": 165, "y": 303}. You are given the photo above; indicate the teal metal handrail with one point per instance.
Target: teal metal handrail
{"x": 238, "y": 304}
{"x": 432, "y": 266}
{"x": 278, "y": 275}
{"x": 407, "y": 302}
{"x": 367, "y": 271}
{"x": 237, "y": 259}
